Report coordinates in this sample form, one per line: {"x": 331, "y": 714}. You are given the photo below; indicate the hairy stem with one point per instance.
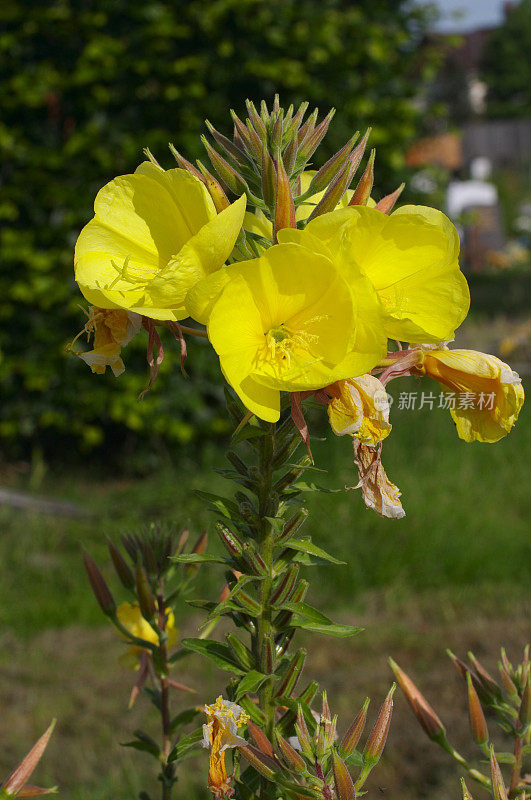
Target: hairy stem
{"x": 167, "y": 770}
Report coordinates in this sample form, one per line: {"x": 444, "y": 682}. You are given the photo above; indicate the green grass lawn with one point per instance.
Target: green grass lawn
{"x": 454, "y": 572}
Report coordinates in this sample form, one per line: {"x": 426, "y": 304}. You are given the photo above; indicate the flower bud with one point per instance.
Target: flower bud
{"x": 260, "y": 739}
{"x": 378, "y": 737}
{"x": 338, "y": 187}
{"x": 242, "y": 134}
{"x": 288, "y": 683}
{"x": 16, "y": 780}
{"x": 387, "y": 203}
{"x": 256, "y": 120}
{"x": 353, "y": 735}
{"x": 525, "y": 707}
{"x": 255, "y": 142}
{"x": 276, "y": 133}
{"x": 238, "y": 155}
{"x": 342, "y": 781}
{"x": 308, "y": 127}
{"x": 487, "y": 682}
{"x": 498, "y": 786}
{"x": 466, "y": 793}
{"x": 478, "y": 724}
{"x": 262, "y": 764}
{"x": 121, "y": 567}
{"x": 424, "y": 713}
{"x": 303, "y": 735}
{"x": 291, "y": 757}
{"x": 284, "y": 205}
{"x": 298, "y": 117}
{"x": 269, "y": 177}
{"x": 146, "y": 600}
{"x": 507, "y": 681}
{"x": 228, "y": 174}
{"x": 290, "y": 156}
{"x": 102, "y": 593}
{"x": 363, "y": 190}
{"x": 184, "y": 164}
{"x": 219, "y": 198}
{"x": 332, "y": 167}
{"x": 312, "y": 141}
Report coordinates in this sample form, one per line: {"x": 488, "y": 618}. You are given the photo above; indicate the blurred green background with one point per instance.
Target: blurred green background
{"x": 85, "y": 85}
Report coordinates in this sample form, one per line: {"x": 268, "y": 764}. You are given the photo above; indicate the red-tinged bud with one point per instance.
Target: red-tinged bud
{"x": 228, "y": 174}
{"x": 353, "y": 735}
{"x": 121, "y": 567}
{"x": 243, "y": 135}
{"x": 239, "y": 155}
{"x": 241, "y": 653}
{"x": 505, "y": 661}
{"x": 146, "y": 600}
{"x": 260, "y": 739}
{"x": 507, "y": 681}
{"x": 299, "y": 115}
{"x": 16, "y": 780}
{"x": 284, "y": 205}
{"x": 308, "y": 127}
{"x": 215, "y": 189}
{"x": 314, "y": 139}
{"x": 229, "y": 539}
{"x": 428, "y": 719}
{"x": 268, "y": 657}
{"x": 464, "y": 789}
{"x": 363, "y": 190}
{"x": 223, "y": 595}
{"x": 378, "y": 737}
{"x": 276, "y": 103}
{"x": 255, "y": 142}
{"x": 293, "y": 526}
{"x": 286, "y": 586}
{"x": 143, "y": 673}
{"x": 387, "y": 203}
{"x": 525, "y": 707}
{"x": 330, "y": 170}
{"x": 256, "y": 120}
{"x": 291, "y": 757}
{"x": 262, "y": 764}
{"x": 338, "y": 187}
{"x": 342, "y": 781}
{"x": 498, "y": 786}
{"x": 290, "y": 156}
{"x": 269, "y": 178}
{"x": 276, "y": 133}
{"x": 102, "y": 593}
{"x": 184, "y": 164}
{"x": 487, "y": 681}
{"x": 247, "y": 603}
{"x": 254, "y": 559}
{"x": 183, "y": 538}
{"x": 303, "y": 735}
{"x": 264, "y": 113}
{"x": 478, "y": 724}
{"x": 291, "y": 678}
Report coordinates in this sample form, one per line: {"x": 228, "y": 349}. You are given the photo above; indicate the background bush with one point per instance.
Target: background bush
{"x": 85, "y": 85}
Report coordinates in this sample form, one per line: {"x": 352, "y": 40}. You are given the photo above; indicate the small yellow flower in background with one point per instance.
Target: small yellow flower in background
{"x": 289, "y": 321}
{"x": 378, "y": 492}
{"x": 359, "y": 407}
{"x": 131, "y": 618}
{"x": 495, "y": 391}
{"x": 112, "y": 330}
{"x": 220, "y": 734}
{"x": 154, "y": 235}
{"x": 410, "y": 257}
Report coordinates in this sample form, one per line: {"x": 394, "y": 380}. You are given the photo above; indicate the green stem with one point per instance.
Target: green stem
{"x": 167, "y": 770}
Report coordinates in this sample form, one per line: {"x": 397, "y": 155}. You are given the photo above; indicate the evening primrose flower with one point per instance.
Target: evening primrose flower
{"x": 154, "y": 235}
{"x": 131, "y": 618}
{"x": 220, "y": 734}
{"x": 411, "y": 258}
{"x": 112, "y": 330}
{"x": 359, "y": 407}
{"x": 289, "y": 321}
{"x": 378, "y": 492}
{"x": 494, "y": 391}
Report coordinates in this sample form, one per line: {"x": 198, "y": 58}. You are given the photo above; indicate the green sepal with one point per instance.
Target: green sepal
{"x": 216, "y": 651}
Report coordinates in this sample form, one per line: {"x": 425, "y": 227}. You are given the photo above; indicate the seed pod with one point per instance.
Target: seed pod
{"x": 102, "y": 593}
{"x": 378, "y": 737}
{"x": 525, "y": 708}
{"x": 254, "y": 559}
{"x": 342, "y": 781}
{"x": 499, "y": 790}
{"x": 262, "y": 764}
{"x": 363, "y": 190}
{"x": 303, "y": 735}
{"x": 353, "y": 735}
{"x": 291, "y": 757}
{"x": 293, "y": 526}
{"x": 286, "y": 586}
{"x": 121, "y": 567}
{"x": 387, "y": 203}
{"x": 239, "y": 465}
{"x": 241, "y": 653}
{"x": 476, "y": 716}
{"x": 229, "y": 539}
{"x": 294, "y": 671}
{"x": 268, "y": 656}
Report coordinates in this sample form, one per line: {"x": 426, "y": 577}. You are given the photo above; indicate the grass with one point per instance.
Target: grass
{"x": 455, "y": 572}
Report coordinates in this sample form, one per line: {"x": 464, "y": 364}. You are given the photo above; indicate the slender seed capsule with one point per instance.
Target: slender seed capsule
{"x": 238, "y": 464}
{"x": 499, "y": 790}
{"x": 102, "y": 593}
{"x": 424, "y": 713}
{"x": 241, "y": 653}
{"x": 353, "y": 735}
{"x": 342, "y": 781}
{"x": 292, "y": 758}
{"x": 229, "y": 539}
{"x": 293, "y": 526}
{"x": 291, "y": 678}
{"x": 254, "y": 559}
{"x": 286, "y": 586}
{"x": 260, "y": 739}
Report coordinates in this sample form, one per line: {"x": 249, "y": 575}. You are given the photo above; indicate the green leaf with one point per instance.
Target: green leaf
{"x": 185, "y": 745}
{"x": 303, "y": 486}
{"x": 183, "y": 718}
{"x": 216, "y": 652}
{"x": 200, "y": 558}
{"x": 143, "y": 746}
{"x": 251, "y": 683}
{"x": 249, "y": 432}
{"x": 308, "y": 618}
{"x": 307, "y": 546}
{"x": 218, "y": 503}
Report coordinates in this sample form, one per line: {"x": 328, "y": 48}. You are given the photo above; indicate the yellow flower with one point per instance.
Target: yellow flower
{"x": 289, "y": 321}
{"x": 411, "y": 258}
{"x": 491, "y": 393}
{"x": 154, "y": 235}
{"x": 359, "y": 407}
{"x": 378, "y": 492}
{"x": 112, "y": 330}
{"x": 131, "y": 618}
{"x": 220, "y": 734}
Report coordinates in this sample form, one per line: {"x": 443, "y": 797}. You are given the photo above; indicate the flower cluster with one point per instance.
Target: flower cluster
{"x": 305, "y": 286}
